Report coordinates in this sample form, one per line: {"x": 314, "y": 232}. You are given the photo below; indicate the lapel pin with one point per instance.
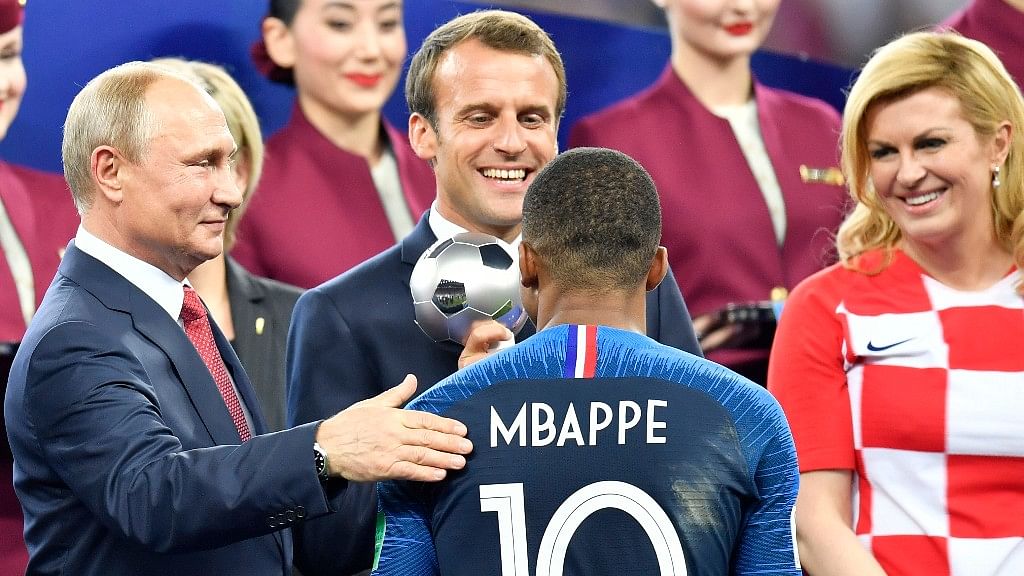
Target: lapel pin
{"x": 260, "y": 323}
{"x": 831, "y": 176}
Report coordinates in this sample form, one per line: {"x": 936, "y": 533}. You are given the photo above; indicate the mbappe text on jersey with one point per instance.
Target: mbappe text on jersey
{"x": 538, "y": 424}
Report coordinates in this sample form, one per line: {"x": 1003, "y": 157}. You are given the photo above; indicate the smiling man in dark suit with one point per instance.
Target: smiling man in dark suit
{"x": 138, "y": 441}
{"x": 486, "y": 92}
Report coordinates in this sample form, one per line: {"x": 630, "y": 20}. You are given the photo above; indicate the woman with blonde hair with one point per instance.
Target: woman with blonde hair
{"x": 900, "y": 367}
{"x": 253, "y": 312}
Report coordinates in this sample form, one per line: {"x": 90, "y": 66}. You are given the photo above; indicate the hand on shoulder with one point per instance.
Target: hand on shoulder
{"x": 378, "y": 440}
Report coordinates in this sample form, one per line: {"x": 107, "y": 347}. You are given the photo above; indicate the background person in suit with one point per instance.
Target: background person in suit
{"x": 341, "y": 183}
{"x": 486, "y": 92}
{"x": 747, "y": 174}
{"x": 252, "y": 311}
{"x": 37, "y": 219}
{"x": 139, "y": 446}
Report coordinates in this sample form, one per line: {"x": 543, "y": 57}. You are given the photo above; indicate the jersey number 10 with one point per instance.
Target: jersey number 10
{"x": 509, "y": 503}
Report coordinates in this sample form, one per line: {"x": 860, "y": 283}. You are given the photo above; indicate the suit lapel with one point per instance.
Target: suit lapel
{"x": 417, "y": 242}
{"x": 241, "y": 379}
{"x": 153, "y": 323}
{"x": 246, "y": 299}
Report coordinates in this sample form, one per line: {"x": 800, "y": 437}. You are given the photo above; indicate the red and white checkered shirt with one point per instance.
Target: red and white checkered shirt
{"x": 918, "y": 388}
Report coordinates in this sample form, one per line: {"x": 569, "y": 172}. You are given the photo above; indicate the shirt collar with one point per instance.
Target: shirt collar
{"x": 444, "y": 228}
{"x": 157, "y": 284}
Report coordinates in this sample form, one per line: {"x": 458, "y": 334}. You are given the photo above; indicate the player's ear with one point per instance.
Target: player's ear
{"x": 528, "y": 278}
{"x": 422, "y": 137}
{"x": 659, "y": 267}
{"x": 527, "y": 266}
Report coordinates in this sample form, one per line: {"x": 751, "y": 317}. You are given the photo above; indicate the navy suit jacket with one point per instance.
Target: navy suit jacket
{"x": 355, "y": 336}
{"x": 126, "y": 459}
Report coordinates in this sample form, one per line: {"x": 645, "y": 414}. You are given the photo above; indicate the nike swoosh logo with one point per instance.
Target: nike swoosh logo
{"x": 874, "y": 348}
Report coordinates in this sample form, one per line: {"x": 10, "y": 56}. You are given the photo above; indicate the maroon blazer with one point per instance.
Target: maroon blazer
{"x": 316, "y": 212}
{"x": 44, "y": 218}
{"x": 998, "y": 25}
{"x": 43, "y": 214}
{"x": 716, "y": 224}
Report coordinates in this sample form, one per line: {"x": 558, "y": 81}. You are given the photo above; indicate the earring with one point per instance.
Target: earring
{"x": 995, "y": 177}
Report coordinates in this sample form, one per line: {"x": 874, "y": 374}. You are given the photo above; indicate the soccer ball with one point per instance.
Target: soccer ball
{"x": 462, "y": 279}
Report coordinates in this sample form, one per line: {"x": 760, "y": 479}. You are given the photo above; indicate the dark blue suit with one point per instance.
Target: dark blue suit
{"x": 355, "y": 336}
{"x": 126, "y": 459}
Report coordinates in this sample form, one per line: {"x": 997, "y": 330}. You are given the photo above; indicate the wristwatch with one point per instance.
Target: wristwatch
{"x": 320, "y": 461}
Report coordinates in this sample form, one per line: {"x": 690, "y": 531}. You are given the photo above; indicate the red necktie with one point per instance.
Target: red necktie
{"x": 197, "y": 327}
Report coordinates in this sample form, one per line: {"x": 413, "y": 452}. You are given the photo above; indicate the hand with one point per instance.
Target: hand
{"x": 377, "y": 440}
{"x": 712, "y": 334}
{"x": 484, "y": 338}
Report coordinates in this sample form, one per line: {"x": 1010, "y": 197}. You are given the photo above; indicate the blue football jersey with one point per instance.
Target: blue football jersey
{"x": 599, "y": 451}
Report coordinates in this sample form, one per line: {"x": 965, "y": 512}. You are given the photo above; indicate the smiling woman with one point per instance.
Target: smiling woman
{"x": 907, "y": 389}
{"x": 340, "y": 183}
{"x": 932, "y": 171}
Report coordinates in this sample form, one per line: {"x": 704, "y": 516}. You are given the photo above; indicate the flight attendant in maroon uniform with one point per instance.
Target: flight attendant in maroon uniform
{"x": 996, "y": 23}
{"x": 340, "y": 184}
{"x": 37, "y": 219}
{"x": 747, "y": 174}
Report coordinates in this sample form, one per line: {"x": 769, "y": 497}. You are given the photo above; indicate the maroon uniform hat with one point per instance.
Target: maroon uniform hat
{"x": 11, "y": 14}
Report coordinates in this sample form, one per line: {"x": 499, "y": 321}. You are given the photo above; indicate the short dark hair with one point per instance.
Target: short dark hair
{"x": 497, "y": 29}
{"x": 594, "y": 218}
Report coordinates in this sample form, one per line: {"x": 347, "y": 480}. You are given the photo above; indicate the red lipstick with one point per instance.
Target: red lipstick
{"x": 740, "y": 29}
{"x": 364, "y": 80}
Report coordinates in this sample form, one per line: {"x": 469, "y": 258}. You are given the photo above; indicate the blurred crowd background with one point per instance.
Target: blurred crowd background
{"x": 612, "y": 49}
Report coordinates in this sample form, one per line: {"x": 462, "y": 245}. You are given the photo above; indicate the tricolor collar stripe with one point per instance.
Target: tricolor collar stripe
{"x": 581, "y": 352}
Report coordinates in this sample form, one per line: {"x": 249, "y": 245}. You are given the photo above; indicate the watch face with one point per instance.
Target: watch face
{"x": 320, "y": 460}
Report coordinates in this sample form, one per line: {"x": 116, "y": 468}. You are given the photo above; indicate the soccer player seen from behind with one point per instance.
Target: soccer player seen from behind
{"x": 598, "y": 450}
